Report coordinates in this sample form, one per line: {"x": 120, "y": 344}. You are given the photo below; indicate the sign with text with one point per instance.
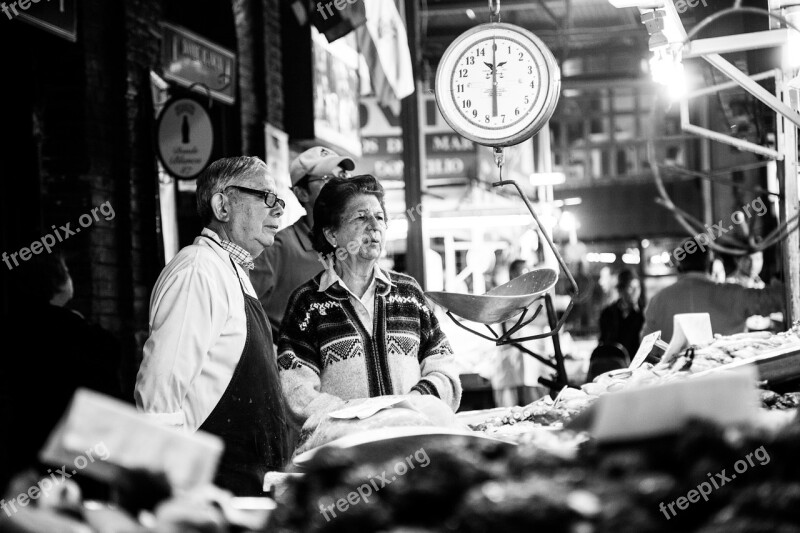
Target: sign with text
{"x": 448, "y": 155}
{"x": 58, "y": 17}
{"x": 383, "y": 156}
{"x": 189, "y": 59}
{"x": 185, "y": 138}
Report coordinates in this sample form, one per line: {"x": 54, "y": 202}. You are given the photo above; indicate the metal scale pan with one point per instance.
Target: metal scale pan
{"x": 515, "y": 298}
{"x": 501, "y": 303}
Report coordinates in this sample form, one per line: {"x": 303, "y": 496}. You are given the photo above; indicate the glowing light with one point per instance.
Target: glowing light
{"x": 667, "y": 70}
{"x": 630, "y": 259}
{"x": 660, "y": 259}
{"x": 547, "y": 178}
{"x": 791, "y": 58}
{"x": 572, "y": 201}
{"x": 568, "y": 222}
{"x": 631, "y": 256}
{"x": 471, "y": 14}
{"x": 603, "y": 257}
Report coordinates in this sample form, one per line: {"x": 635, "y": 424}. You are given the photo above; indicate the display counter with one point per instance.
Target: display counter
{"x": 775, "y": 356}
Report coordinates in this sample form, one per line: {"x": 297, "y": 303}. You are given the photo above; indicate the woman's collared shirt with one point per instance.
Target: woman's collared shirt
{"x": 364, "y": 306}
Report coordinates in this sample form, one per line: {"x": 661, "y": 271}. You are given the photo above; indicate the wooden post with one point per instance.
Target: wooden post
{"x": 788, "y": 176}
{"x": 786, "y": 143}
{"x": 414, "y": 152}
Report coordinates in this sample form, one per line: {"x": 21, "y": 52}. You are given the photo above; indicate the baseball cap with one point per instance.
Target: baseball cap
{"x": 318, "y": 161}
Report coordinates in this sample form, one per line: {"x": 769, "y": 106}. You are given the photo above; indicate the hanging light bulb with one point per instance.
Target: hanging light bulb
{"x": 667, "y": 70}
{"x": 665, "y": 65}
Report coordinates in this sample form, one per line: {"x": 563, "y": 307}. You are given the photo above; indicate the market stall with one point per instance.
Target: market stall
{"x": 724, "y": 473}
{"x": 699, "y": 433}
{"x": 775, "y": 357}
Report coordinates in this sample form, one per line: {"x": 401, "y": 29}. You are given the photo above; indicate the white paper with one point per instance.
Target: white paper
{"x": 689, "y": 329}
{"x": 644, "y": 349}
{"x": 370, "y": 407}
{"x": 726, "y": 398}
{"x": 119, "y": 436}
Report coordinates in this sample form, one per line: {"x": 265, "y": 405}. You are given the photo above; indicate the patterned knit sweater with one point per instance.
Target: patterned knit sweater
{"x": 326, "y": 356}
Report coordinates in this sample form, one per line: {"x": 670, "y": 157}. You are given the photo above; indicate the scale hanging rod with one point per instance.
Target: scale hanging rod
{"x": 494, "y": 10}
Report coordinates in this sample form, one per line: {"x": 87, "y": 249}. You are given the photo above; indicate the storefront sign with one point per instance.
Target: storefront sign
{"x": 448, "y": 155}
{"x": 383, "y": 157}
{"x": 185, "y": 138}
{"x": 59, "y": 17}
{"x": 190, "y": 59}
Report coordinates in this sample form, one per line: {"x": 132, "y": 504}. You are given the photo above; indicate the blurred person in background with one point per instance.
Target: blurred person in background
{"x": 292, "y": 260}
{"x": 61, "y": 352}
{"x": 507, "y": 370}
{"x": 747, "y": 269}
{"x": 718, "y": 270}
{"x": 607, "y": 284}
{"x": 622, "y": 321}
{"x": 514, "y": 374}
{"x": 728, "y": 304}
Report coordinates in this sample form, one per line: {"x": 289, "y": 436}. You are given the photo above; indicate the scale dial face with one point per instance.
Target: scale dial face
{"x": 497, "y": 84}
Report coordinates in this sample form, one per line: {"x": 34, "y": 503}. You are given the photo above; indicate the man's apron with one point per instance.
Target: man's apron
{"x": 250, "y": 417}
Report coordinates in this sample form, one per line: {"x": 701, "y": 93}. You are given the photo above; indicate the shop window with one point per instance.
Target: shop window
{"x": 600, "y": 133}
{"x": 625, "y": 99}
{"x": 625, "y": 127}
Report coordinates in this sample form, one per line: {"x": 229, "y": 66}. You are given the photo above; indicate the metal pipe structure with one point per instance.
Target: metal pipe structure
{"x": 688, "y": 127}
{"x": 769, "y": 99}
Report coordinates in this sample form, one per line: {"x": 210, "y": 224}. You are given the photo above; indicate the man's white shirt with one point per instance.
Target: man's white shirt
{"x": 198, "y": 330}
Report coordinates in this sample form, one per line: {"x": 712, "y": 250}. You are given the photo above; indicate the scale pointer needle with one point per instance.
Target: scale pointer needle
{"x": 494, "y": 78}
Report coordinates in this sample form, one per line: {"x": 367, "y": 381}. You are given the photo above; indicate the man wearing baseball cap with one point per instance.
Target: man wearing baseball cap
{"x": 291, "y": 260}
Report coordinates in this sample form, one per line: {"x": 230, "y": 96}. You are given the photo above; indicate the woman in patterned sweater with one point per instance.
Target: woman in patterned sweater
{"x": 355, "y": 330}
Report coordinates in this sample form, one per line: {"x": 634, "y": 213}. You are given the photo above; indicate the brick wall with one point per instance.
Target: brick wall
{"x": 103, "y": 45}
{"x": 247, "y": 18}
{"x": 258, "y": 33}
{"x": 139, "y": 246}
{"x": 273, "y": 58}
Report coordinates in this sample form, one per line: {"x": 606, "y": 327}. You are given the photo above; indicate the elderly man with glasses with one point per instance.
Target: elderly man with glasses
{"x": 209, "y": 363}
{"x": 292, "y": 260}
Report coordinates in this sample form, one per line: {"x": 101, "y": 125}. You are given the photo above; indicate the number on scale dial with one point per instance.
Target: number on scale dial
{"x": 497, "y": 84}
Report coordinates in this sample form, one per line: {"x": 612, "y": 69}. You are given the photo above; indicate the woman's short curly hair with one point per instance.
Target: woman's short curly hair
{"x": 332, "y": 201}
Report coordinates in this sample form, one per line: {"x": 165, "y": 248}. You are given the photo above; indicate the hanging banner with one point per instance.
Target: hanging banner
{"x": 185, "y": 138}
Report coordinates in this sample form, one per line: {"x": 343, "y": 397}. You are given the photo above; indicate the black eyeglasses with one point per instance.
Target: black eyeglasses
{"x": 270, "y": 198}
